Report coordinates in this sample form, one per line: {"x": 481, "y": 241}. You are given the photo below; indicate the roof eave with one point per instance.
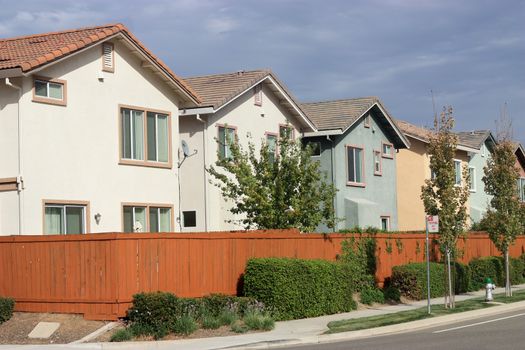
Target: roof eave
{"x": 11, "y": 73}
{"x": 323, "y": 133}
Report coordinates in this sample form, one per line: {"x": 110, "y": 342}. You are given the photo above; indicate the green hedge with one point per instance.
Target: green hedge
{"x": 494, "y": 268}
{"x": 295, "y": 288}
{"x": 6, "y": 309}
{"x": 411, "y": 279}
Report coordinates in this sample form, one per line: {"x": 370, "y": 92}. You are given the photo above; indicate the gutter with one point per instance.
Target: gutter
{"x": 19, "y": 180}
{"x": 206, "y": 182}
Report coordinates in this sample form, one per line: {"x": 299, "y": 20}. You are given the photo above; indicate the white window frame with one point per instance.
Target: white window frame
{"x": 387, "y": 218}
{"x": 521, "y": 189}
{"x": 361, "y": 183}
{"x": 64, "y": 216}
{"x": 147, "y": 208}
{"x": 456, "y": 161}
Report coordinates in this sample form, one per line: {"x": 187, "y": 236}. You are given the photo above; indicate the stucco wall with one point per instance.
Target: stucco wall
{"x": 413, "y": 168}
{"x": 479, "y": 199}
{"x": 72, "y": 152}
{"x": 249, "y": 120}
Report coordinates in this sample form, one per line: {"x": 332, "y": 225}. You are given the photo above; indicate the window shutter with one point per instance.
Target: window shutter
{"x": 107, "y": 57}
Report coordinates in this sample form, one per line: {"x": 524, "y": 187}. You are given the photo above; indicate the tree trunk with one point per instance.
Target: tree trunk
{"x": 508, "y": 290}
{"x": 449, "y": 287}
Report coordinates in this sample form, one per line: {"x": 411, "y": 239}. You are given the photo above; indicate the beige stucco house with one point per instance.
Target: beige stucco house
{"x": 89, "y": 134}
{"x": 250, "y": 105}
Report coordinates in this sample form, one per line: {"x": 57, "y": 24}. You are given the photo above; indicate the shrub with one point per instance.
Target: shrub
{"x": 411, "y": 279}
{"x": 228, "y": 318}
{"x": 239, "y": 327}
{"x": 123, "y": 334}
{"x": 184, "y": 325}
{"x": 494, "y": 267}
{"x": 214, "y": 304}
{"x": 6, "y": 309}
{"x": 358, "y": 257}
{"x": 295, "y": 288}
{"x": 211, "y": 322}
{"x": 258, "y": 321}
{"x": 392, "y": 294}
{"x": 372, "y": 295}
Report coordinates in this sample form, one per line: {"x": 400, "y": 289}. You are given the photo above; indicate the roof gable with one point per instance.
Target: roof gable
{"x": 33, "y": 52}
{"x": 342, "y": 114}
{"x": 219, "y": 90}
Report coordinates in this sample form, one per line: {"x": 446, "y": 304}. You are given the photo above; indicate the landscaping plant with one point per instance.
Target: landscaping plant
{"x": 7, "y": 306}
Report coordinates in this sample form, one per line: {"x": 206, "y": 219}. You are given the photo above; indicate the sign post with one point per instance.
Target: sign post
{"x": 432, "y": 226}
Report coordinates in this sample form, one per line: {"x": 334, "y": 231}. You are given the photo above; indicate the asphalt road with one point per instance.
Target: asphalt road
{"x": 502, "y": 332}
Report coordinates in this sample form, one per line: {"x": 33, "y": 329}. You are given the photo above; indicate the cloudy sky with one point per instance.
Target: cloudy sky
{"x": 470, "y": 53}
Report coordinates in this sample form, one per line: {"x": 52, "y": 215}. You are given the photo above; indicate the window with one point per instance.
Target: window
{"x": 377, "y": 163}
{"x": 457, "y": 166}
{"x": 226, "y": 138}
{"x": 521, "y": 189}
{"x": 271, "y": 141}
{"x": 64, "y": 219}
{"x": 388, "y": 150}
{"x": 472, "y": 178}
{"x": 52, "y": 91}
{"x": 385, "y": 223}
{"x": 108, "y": 57}
{"x": 147, "y": 218}
{"x": 286, "y": 131}
{"x": 189, "y": 218}
{"x": 354, "y": 162}
{"x": 145, "y": 137}
{"x": 316, "y": 148}
{"x": 257, "y": 95}
{"x": 367, "y": 121}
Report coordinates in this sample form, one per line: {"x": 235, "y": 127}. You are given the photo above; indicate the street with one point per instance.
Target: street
{"x": 501, "y": 332}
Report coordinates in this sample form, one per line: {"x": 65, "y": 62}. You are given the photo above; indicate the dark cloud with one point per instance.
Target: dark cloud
{"x": 470, "y": 53}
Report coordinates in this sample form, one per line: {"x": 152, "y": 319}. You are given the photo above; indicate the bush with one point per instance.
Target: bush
{"x": 121, "y": 335}
{"x": 184, "y": 325}
{"x": 372, "y": 295}
{"x": 153, "y": 313}
{"x": 392, "y": 294}
{"x": 494, "y": 267}
{"x": 6, "y": 309}
{"x": 411, "y": 279}
{"x": 211, "y": 322}
{"x": 228, "y": 318}
{"x": 258, "y": 321}
{"x": 358, "y": 257}
{"x": 295, "y": 288}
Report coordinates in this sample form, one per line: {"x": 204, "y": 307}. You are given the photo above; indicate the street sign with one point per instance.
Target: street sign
{"x": 433, "y": 223}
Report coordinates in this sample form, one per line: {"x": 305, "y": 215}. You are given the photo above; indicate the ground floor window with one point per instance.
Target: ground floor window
{"x": 147, "y": 218}
{"x": 64, "y": 218}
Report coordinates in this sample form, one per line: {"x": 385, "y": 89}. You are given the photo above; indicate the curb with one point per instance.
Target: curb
{"x": 385, "y": 330}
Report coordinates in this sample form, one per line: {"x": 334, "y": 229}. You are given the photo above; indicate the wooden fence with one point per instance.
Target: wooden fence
{"x": 97, "y": 274}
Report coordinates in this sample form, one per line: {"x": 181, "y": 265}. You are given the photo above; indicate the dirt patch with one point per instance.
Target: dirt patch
{"x": 72, "y": 327}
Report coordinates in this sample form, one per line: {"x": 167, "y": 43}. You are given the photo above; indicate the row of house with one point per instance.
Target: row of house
{"x": 92, "y": 122}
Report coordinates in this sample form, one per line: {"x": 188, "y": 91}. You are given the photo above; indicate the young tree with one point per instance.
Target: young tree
{"x": 442, "y": 194}
{"x": 504, "y": 218}
{"x": 281, "y": 187}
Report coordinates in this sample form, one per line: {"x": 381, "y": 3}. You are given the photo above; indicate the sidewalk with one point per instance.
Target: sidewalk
{"x": 305, "y": 331}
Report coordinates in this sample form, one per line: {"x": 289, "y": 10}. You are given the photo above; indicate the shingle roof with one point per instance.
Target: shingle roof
{"x": 218, "y": 89}
{"x": 33, "y": 51}
{"x": 414, "y": 131}
{"x": 339, "y": 114}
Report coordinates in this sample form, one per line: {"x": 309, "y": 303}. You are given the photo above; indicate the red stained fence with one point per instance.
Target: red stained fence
{"x": 97, "y": 275}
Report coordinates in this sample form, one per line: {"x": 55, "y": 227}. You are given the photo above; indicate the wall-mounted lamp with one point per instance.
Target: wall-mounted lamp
{"x": 98, "y": 216}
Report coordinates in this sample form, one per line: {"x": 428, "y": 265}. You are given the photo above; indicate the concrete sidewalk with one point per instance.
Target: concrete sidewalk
{"x": 305, "y": 331}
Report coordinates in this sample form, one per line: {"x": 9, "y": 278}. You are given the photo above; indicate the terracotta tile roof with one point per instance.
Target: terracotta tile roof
{"x": 33, "y": 51}
{"x": 218, "y": 89}
{"x": 339, "y": 114}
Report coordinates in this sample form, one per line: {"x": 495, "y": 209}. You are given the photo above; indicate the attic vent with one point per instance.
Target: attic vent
{"x": 108, "y": 64}
{"x": 37, "y": 41}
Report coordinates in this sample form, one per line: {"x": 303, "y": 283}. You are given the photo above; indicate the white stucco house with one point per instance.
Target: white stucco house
{"x": 252, "y": 105}
{"x": 89, "y": 134}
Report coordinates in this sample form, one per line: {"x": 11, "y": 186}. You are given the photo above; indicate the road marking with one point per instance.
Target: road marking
{"x": 477, "y": 324}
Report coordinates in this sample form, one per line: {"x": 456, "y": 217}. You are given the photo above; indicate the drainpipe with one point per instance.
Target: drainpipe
{"x": 205, "y": 154}
{"x": 19, "y": 180}
{"x": 332, "y": 161}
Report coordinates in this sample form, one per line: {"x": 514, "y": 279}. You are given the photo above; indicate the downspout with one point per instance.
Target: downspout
{"x": 332, "y": 161}
{"x": 205, "y": 153}
{"x": 19, "y": 180}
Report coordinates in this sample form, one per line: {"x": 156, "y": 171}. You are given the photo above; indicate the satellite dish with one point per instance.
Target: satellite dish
{"x": 185, "y": 149}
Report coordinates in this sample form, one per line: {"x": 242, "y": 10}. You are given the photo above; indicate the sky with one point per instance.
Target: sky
{"x": 469, "y": 53}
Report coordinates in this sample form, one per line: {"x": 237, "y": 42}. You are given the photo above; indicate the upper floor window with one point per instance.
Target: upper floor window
{"x": 316, "y": 148}
{"x": 108, "y": 57}
{"x": 52, "y": 91}
{"x": 521, "y": 189}
{"x": 257, "y": 96}
{"x": 271, "y": 142}
{"x": 377, "y": 163}
{"x": 226, "y": 138}
{"x": 457, "y": 168}
{"x": 145, "y": 137}
{"x": 147, "y": 218}
{"x": 60, "y": 218}
{"x": 388, "y": 150}
{"x": 286, "y": 131}
{"x": 355, "y": 160}
{"x": 472, "y": 178}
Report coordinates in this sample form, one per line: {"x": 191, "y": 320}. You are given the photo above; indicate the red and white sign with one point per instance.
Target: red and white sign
{"x": 433, "y": 223}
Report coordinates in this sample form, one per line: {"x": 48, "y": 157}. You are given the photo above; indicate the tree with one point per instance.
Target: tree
{"x": 442, "y": 194}
{"x": 504, "y": 218}
{"x": 281, "y": 187}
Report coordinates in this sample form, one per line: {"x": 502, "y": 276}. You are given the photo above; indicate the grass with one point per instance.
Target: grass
{"x": 418, "y": 314}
